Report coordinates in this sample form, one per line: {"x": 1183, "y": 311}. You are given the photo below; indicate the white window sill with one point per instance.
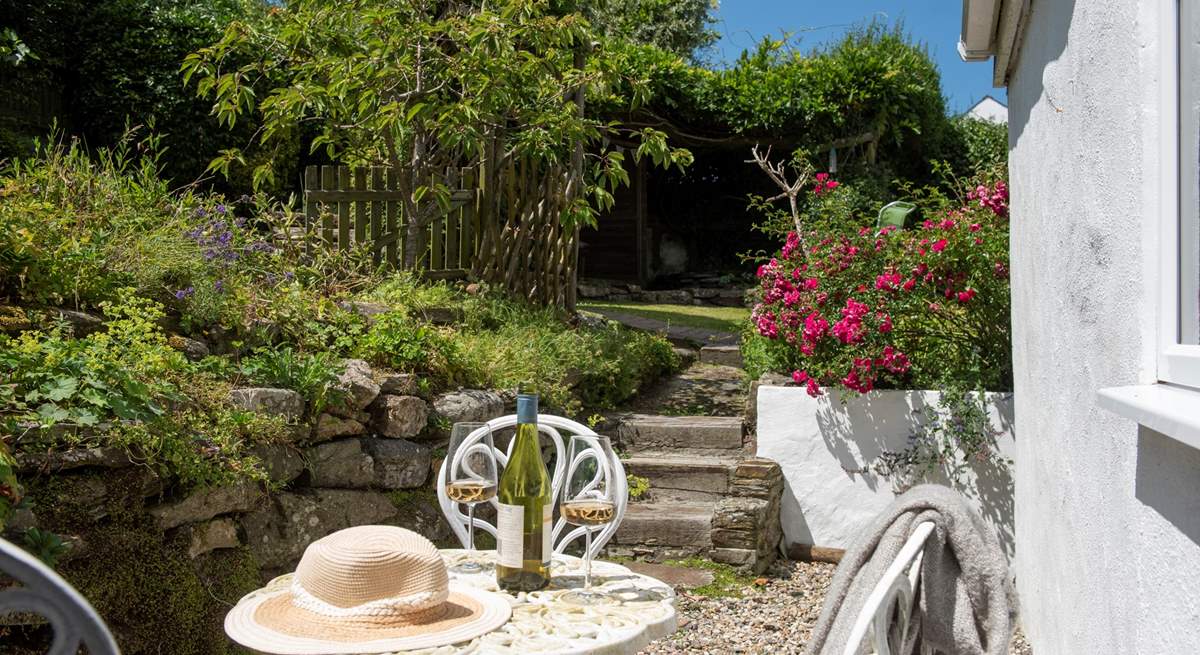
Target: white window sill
{"x": 1166, "y": 408}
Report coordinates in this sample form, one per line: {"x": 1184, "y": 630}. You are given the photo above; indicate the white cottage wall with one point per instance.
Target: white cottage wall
{"x": 1107, "y": 513}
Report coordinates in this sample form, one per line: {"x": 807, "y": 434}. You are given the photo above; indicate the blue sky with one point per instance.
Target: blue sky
{"x": 936, "y": 23}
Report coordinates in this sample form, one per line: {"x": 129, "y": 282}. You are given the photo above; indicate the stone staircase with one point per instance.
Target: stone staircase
{"x": 707, "y": 496}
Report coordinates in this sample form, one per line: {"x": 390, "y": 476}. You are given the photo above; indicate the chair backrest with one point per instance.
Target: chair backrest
{"x": 895, "y": 214}
{"x": 878, "y": 624}
{"x": 43, "y": 592}
{"x": 553, "y": 427}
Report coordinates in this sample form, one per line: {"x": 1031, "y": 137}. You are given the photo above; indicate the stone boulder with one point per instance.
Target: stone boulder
{"x": 440, "y": 315}
{"x": 399, "y": 416}
{"x": 356, "y": 385}
{"x": 73, "y": 458}
{"x": 193, "y": 349}
{"x": 329, "y": 427}
{"x": 365, "y": 309}
{"x": 469, "y": 405}
{"x": 399, "y": 463}
{"x": 341, "y": 464}
{"x": 207, "y": 504}
{"x": 82, "y": 323}
{"x": 210, "y": 536}
{"x": 282, "y": 462}
{"x": 278, "y": 532}
{"x": 398, "y": 384}
{"x": 274, "y": 402}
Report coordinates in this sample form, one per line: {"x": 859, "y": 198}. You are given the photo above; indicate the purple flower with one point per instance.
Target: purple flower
{"x": 220, "y": 209}
{"x": 184, "y": 293}
{"x": 210, "y": 254}
{"x": 219, "y": 286}
{"x": 239, "y": 221}
{"x": 288, "y": 275}
{"x": 224, "y": 238}
{"x": 200, "y": 213}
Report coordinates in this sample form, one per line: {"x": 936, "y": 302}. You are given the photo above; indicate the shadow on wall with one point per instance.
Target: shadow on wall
{"x": 1166, "y": 481}
{"x": 1022, "y": 98}
{"x": 857, "y": 433}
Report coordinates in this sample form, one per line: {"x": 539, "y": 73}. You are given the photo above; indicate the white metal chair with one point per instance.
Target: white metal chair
{"x": 554, "y": 427}
{"x": 73, "y": 619}
{"x": 887, "y": 616}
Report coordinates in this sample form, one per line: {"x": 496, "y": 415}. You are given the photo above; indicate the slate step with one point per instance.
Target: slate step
{"x": 725, "y": 355}
{"x": 640, "y": 432}
{"x": 683, "y": 525}
{"x": 684, "y": 476}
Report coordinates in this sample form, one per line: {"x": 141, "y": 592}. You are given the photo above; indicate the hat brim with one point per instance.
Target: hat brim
{"x": 265, "y": 621}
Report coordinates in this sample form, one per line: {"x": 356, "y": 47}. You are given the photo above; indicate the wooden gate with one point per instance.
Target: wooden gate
{"x": 349, "y": 208}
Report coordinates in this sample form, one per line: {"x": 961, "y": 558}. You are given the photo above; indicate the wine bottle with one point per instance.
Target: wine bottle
{"x": 523, "y": 521}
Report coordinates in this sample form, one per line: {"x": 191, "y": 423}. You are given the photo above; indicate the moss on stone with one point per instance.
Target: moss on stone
{"x": 726, "y": 581}
{"x": 154, "y": 597}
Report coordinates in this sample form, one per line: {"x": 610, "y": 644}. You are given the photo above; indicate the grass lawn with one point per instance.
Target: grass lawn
{"x": 723, "y": 319}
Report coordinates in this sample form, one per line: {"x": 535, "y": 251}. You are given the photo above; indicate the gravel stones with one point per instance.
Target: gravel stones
{"x": 274, "y": 402}
{"x": 399, "y": 416}
{"x": 773, "y": 618}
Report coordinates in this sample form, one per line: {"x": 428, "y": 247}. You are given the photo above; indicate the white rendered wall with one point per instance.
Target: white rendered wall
{"x": 822, "y": 444}
{"x": 1107, "y": 514}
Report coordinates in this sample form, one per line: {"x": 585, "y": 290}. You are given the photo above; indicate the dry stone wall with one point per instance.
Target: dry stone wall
{"x": 368, "y": 460}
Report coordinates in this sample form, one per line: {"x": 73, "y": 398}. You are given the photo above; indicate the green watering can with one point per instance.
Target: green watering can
{"x": 895, "y": 214}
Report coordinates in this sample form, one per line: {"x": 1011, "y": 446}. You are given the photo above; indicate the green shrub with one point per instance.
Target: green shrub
{"x": 127, "y": 378}
{"x": 313, "y": 375}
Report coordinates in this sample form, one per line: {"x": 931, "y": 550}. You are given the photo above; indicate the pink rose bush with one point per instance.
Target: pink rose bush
{"x": 914, "y": 308}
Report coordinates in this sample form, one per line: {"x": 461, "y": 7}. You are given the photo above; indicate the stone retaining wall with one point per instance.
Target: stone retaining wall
{"x": 371, "y": 461}
{"x": 619, "y": 291}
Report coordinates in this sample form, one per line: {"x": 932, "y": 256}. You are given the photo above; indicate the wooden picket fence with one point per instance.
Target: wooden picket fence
{"x": 348, "y": 208}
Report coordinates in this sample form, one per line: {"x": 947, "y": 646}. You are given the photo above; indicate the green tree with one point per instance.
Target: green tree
{"x": 681, "y": 27}
{"x": 424, "y": 86}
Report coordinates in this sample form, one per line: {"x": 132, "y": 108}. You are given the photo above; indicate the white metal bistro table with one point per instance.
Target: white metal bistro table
{"x": 642, "y": 610}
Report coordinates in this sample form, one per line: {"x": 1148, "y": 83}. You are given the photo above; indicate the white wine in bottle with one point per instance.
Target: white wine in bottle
{"x": 526, "y": 508}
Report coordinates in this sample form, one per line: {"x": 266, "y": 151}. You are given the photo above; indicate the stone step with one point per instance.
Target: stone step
{"x": 639, "y": 432}
{"x": 701, "y": 477}
{"x": 725, "y": 355}
{"x": 683, "y": 525}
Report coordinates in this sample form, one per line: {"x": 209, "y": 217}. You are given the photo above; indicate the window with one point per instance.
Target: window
{"x": 1179, "y": 358}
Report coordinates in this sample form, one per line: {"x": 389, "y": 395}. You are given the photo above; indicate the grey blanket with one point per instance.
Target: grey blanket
{"x": 967, "y": 602}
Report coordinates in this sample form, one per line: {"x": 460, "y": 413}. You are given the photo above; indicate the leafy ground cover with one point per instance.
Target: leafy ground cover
{"x": 168, "y": 271}
{"x": 722, "y": 319}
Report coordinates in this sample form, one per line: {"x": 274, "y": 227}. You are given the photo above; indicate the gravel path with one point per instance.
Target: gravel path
{"x": 774, "y": 618}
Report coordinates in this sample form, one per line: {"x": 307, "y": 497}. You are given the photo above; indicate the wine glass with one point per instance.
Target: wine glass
{"x": 588, "y": 501}
{"x": 470, "y": 477}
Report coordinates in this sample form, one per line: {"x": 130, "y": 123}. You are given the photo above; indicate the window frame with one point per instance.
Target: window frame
{"x": 1178, "y": 363}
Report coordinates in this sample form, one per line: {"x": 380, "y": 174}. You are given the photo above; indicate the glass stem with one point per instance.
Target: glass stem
{"x": 471, "y": 526}
{"x": 587, "y": 559}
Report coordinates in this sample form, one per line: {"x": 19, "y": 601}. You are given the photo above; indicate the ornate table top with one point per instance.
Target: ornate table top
{"x": 642, "y": 610}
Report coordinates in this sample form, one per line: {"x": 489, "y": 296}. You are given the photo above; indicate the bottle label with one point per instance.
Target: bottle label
{"x": 510, "y": 538}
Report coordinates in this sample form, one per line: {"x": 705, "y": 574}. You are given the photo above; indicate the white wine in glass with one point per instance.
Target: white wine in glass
{"x": 470, "y": 477}
{"x": 588, "y": 501}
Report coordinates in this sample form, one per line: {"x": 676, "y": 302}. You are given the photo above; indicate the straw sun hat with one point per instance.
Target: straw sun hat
{"x": 369, "y": 589}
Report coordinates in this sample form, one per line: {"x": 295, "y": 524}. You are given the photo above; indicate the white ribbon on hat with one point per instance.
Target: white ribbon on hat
{"x": 394, "y": 606}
